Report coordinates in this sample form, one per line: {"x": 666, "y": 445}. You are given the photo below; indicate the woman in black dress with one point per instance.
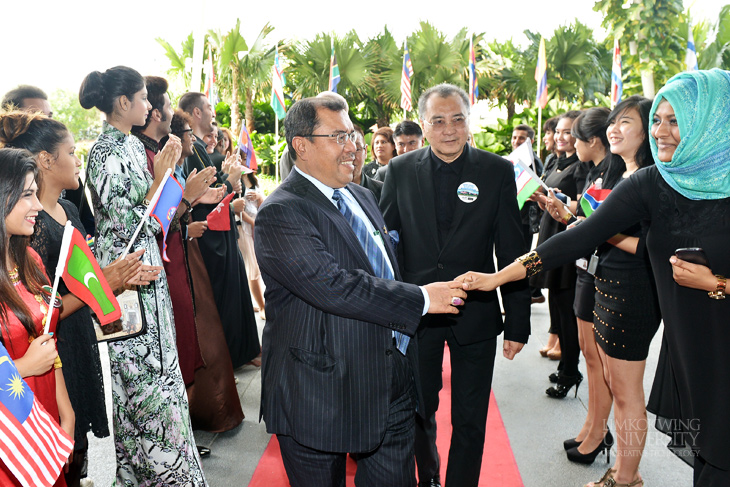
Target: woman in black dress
{"x": 568, "y": 176}
{"x": 685, "y": 198}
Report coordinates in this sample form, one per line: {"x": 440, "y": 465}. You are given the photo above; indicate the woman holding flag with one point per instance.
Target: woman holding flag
{"x": 25, "y": 296}
{"x": 52, "y": 146}
{"x": 626, "y": 315}
{"x": 153, "y": 435}
{"x": 685, "y": 198}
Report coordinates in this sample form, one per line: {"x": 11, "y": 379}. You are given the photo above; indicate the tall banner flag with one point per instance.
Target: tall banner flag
{"x": 617, "y": 84}
{"x": 541, "y": 75}
{"x": 690, "y": 60}
{"x": 405, "y": 81}
{"x": 473, "y": 86}
{"x": 166, "y": 207}
{"x": 84, "y": 279}
{"x": 32, "y": 444}
{"x": 211, "y": 93}
{"x": 246, "y": 148}
{"x": 525, "y": 178}
{"x": 277, "y": 88}
{"x": 334, "y": 72}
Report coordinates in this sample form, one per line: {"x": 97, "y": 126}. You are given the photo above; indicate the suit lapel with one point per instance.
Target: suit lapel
{"x": 307, "y": 190}
{"x": 469, "y": 173}
{"x": 424, "y": 180}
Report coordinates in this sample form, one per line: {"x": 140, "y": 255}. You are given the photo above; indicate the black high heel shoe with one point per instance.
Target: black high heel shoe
{"x": 573, "y": 443}
{"x": 555, "y": 376}
{"x": 588, "y": 458}
{"x": 565, "y": 383}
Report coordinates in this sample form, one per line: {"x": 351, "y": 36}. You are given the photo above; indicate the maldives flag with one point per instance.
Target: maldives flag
{"x": 592, "y": 199}
{"x": 219, "y": 219}
{"x": 83, "y": 277}
{"x": 166, "y": 207}
{"x": 32, "y": 444}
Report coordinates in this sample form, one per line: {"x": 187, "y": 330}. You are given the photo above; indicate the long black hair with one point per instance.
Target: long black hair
{"x": 101, "y": 90}
{"x": 615, "y": 165}
{"x": 15, "y": 165}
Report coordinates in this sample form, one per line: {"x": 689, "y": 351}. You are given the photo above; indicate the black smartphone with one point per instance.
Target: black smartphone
{"x": 694, "y": 255}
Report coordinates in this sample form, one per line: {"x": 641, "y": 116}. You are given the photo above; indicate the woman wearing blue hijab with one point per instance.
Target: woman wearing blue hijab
{"x": 685, "y": 198}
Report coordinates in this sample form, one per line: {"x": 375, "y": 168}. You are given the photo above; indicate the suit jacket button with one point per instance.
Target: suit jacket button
{"x": 440, "y": 265}
{"x": 389, "y": 352}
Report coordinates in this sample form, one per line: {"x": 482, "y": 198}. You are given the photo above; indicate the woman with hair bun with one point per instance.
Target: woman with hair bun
{"x": 152, "y": 431}
{"x": 52, "y": 146}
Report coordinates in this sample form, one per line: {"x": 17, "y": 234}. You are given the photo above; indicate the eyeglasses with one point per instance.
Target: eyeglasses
{"x": 441, "y": 124}
{"x": 183, "y": 132}
{"x": 340, "y": 137}
{"x": 359, "y": 148}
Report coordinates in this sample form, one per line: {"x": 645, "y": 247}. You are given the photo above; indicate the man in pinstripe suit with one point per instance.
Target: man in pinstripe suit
{"x": 337, "y": 377}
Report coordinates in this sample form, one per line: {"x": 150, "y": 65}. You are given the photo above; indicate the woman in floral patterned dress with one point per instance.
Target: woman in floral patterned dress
{"x": 152, "y": 432}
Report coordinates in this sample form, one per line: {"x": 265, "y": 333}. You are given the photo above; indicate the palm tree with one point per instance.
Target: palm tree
{"x": 244, "y": 70}
{"x": 178, "y": 60}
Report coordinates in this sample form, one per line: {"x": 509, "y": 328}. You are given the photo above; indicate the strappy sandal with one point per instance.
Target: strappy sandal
{"x": 608, "y": 481}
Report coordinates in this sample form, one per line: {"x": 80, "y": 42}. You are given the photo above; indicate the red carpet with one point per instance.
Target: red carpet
{"x": 499, "y": 468}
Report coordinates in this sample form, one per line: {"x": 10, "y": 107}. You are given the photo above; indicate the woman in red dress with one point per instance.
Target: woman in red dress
{"x": 23, "y": 300}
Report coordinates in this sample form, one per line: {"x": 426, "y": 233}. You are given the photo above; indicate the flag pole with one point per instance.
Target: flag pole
{"x": 147, "y": 212}
{"x": 276, "y": 148}
{"x": 539, "y": 129}
{"x": 68, "y": 231}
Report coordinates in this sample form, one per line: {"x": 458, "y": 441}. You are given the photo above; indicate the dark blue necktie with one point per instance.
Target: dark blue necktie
{"x": 375, "y": 255}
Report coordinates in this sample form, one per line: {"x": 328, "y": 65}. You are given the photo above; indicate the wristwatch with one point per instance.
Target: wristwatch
{"x": 719, "y": 292}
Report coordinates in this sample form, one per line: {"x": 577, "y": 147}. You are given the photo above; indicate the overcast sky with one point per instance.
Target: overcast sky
{"x": 54, "y": 44}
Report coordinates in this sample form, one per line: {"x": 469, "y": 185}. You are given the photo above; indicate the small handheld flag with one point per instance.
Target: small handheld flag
{"x": 277, "y": 88}
{"x": 690, "y": 59}
{"x": 147, "y": 213}
{"x": 525, "y": 178}
{"x": 541, "y": 75}
{"x": 246, "y": 147}
{"x": 32, "y": 444}
{"x": 334, "y": 72}
{"x": 592, "y": 199}
{"x": 166, "y": 207}
{"x": 405, "y": 81}
{"x": 617, "y": 84}
{"x": 84, "y": 278}
{"x": 219, "y": 218}
{"x": 211, "y": 93}
{"x": 473, "y": 86}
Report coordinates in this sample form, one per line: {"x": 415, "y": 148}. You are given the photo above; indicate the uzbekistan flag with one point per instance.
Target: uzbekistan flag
{"x": 473, "y": 86}
{"x": 617, "y": 84}
{"x": 690, "y": 59}
{"x": 32, "y": 444}
{"x": 541, "y": 75}
{"x": 405, "y": 81}
{"x": 246, "y": 148}
{"x": 84, "y": 279}
{"x": 592, "y": 199}
{"x": 166, "y": 207}
{"x": 334, "y": 72}
{"x": 277, "y": 88}
{"x": 526, "y": 180}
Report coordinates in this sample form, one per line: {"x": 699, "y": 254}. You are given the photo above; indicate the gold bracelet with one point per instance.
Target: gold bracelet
{"x": 719, "y": 292}
{"x": 566, "y": 218}
{"x": 532, "y": 263}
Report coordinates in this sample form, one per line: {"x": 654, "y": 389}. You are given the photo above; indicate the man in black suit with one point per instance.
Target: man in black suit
{"x": 454, "y": 207}
{"x": 338, "y": 367}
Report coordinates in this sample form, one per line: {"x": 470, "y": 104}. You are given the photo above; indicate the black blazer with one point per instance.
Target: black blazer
{"x": 488, "y": 225}
{"x": 326, "y": 373}
{"x": 373, "y": 185}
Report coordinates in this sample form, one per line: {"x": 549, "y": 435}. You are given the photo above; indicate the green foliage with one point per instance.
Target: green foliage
{"x": 265, "y": 147}
{"x": 223, "y": 114}
{"x": 83, "y": 124}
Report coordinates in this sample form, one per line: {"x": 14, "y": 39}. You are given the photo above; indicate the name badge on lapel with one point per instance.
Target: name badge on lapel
{"x": 467, "y": 192}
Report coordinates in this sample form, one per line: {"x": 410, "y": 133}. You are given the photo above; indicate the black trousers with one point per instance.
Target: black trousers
{"x": 706, "y": 475}
{"x": 471, "y": 383}
{"x": 391, "y": 464}
{"x": 560, "y": 304}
